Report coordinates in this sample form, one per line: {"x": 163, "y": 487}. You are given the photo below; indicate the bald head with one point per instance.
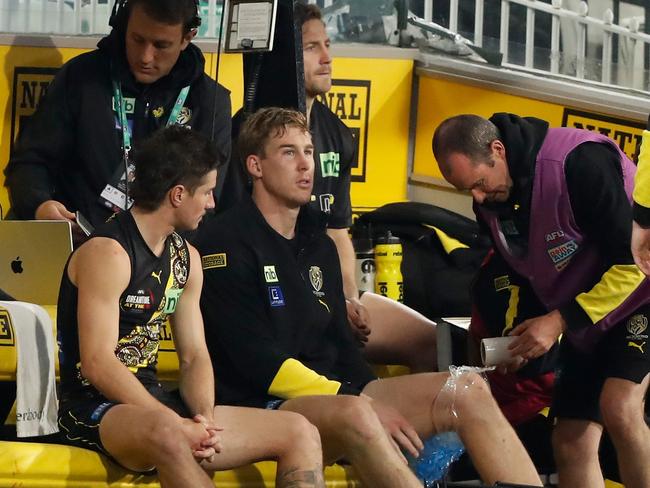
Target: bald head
{"x": 472, "y": 157}
{"x": 467, "y": 134}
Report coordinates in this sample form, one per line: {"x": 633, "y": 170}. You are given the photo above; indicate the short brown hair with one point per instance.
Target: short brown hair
{"x": 265, "y": 124}
{"x": 171, "y": 156}
{"x": 305, "y": 12}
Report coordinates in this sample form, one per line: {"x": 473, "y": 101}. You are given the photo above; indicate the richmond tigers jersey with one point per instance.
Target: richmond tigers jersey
{"x": 152, "y": 294}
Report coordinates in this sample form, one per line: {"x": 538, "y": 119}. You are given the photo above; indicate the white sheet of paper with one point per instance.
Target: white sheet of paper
{"x": 253, "y": 21}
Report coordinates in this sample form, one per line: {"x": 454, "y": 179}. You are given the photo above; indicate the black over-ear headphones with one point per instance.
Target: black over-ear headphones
{"x": 119, "y": 15}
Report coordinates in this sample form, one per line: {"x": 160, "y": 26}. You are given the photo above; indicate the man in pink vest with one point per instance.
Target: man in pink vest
{"x": 557, "y": 204}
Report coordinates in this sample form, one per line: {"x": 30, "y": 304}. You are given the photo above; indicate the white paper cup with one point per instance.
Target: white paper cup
{"x": 494, "y": 351}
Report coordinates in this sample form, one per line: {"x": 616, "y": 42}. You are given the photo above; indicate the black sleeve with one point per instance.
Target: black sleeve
{"x": 642, "y": 215}
{"x": 601, "y": 208}
{"x": 44, "y": 146}
{"x": 222, "y": 135}
{"x": 236, "y": 184}
{"x": 341, "y": 216}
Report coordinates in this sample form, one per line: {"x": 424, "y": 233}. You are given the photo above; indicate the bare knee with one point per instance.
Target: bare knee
{"x": 573, "y": 448}
{"x": 166, "y": 437}
{"x": 359, "y": 422}
{"x": 472, "y": 397}
{"x": 622, "y": 415}
{"x": 298, "y": 434}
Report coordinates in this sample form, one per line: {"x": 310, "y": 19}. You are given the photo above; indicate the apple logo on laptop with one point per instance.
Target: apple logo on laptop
{"x": 17, "y": 265}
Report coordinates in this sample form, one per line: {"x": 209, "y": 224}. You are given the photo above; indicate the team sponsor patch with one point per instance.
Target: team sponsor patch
{"x": 172, "y": 296}
{"x": 210, "y": 261}
{"x": 158, "y": 112}
{"x": 270, "y": 275}
{"x": 330, "y": 164}
{"x": 502, "y": 283}
{"x": 141, "y": 301}
{"x": 561, "y": 255}
{"x": 276, "y": 297}
{"x": 6, "y": 328}
{"x": 326, "y": 200}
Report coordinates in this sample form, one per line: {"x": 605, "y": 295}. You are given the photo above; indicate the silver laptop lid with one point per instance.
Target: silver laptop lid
{"x": 33, "y": 254}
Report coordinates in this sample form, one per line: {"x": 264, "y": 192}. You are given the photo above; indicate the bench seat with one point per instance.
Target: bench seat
{"x": 38, "y": 465}
{"x": 34, "y": 465}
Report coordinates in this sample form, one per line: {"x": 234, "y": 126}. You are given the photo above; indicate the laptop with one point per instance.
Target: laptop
{"x": 33, "y": 254}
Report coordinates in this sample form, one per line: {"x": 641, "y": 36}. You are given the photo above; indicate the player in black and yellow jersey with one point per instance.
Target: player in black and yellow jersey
{"x": 117, "y": 290}
{"x": 276, "y": 327}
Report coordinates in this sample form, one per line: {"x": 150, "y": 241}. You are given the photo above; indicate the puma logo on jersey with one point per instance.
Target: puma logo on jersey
{"x": 638, "y": 346}
{"x": 157, "y": 276}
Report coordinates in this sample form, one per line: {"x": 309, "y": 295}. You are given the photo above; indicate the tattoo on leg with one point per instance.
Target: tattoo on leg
{"x": 295, "y": 478}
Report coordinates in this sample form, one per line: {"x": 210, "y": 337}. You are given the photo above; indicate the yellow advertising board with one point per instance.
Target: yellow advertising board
{"x": 372, "y": 97}
{"x": 439, "y": 99}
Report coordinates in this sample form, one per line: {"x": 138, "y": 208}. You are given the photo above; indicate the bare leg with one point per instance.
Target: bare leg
{"x": 141, "y": 439}
{"x": 252, "y": 434}
{"x": 399, "y": 335}
{"x": 622, "y": 407}
{"x": 575, "y": 446}
{"x": 350, "y": 428}
{"x": 491, "y": 442}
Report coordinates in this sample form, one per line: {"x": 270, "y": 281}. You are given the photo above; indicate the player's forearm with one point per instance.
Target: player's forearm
{"x": 117, "y": 383}
{"x": 197, "y": 385}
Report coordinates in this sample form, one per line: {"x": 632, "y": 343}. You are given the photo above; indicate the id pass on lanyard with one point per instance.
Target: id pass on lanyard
{"x": 114, "y": 195}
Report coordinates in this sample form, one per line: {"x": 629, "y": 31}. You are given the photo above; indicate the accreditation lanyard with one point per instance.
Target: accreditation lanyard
{"x": 121, "y": 113}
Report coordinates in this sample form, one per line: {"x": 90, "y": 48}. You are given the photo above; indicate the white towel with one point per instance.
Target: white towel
{"x": 36, "y": 401}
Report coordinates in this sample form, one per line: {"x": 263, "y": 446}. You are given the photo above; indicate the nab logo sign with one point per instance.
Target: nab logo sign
{"x": 350, "y": 102}
{"x": 29, "y": 87}
{"x": 623, "y": 132}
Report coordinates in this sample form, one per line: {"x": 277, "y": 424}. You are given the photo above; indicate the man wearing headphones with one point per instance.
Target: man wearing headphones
{"x": 146, "y": 74}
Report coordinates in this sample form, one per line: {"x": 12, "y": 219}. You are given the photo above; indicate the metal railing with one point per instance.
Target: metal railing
{"x": 621, "y": 57}
{"x": 569, "y": 28}
{"x": 81, "y": 17}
